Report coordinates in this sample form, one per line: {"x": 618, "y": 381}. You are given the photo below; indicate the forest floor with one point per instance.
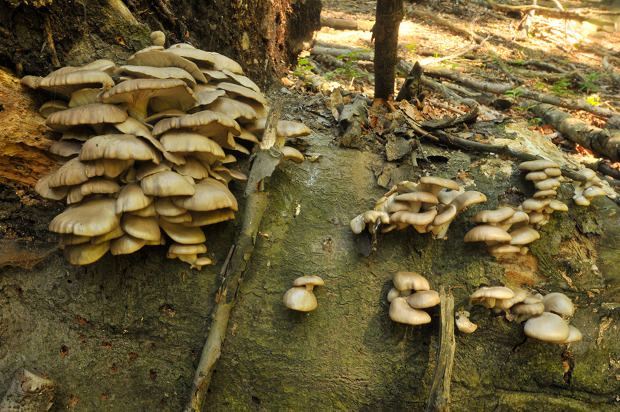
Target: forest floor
{"x": 557, "y": 57}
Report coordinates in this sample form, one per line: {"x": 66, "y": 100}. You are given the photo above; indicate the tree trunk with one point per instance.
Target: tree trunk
{"x": 389, "y": 15}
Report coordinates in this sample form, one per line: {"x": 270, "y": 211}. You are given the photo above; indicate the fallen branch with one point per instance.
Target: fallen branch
{"x": 612, "y": 73}
{"x": 428, "y": 15}
{"x": 598, "y": 140}
{"x": 439, "y": 394}
{"x": 359, "y": 54}
{"x": 256, "y": 204}
{"x": 449, "y": 139}
{"x": 347, "y": 24}
{"x": 501, "y": 89}
{"x": 556, "y": 13}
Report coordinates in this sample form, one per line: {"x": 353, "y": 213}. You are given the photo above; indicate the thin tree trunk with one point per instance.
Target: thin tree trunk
{"x": 389, "y": 15}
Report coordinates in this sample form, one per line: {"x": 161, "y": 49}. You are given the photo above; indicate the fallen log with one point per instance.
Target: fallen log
{"x": 555, "y": 13}
{"x": 598, "y": 140}
{"x": 501, "y": 89}
{"x": 347, "y": 24}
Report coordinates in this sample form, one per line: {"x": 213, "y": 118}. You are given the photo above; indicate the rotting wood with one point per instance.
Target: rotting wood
{"x": 612, "y": 73}
{"x": 439, "y": 394}
{"x": 501, "y": 89}
{"x": 347, "y": 24}
{"x": 598, "y": 140}
{"x": 256, "y": 203}
{"x": 359, "y": 54}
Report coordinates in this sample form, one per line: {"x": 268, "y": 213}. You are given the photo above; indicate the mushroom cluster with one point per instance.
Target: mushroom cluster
{"x": 429, "y": 206}
{"x": 544, "y": 316}
{"x": 411, "y": 293}
{"x": 588, "y": 189}
{"x": 509, "y": 230}
{"x": 301, "y": 296}
{"x": 148, "y": 146}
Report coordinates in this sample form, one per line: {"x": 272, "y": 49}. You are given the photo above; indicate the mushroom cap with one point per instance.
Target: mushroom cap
{"x": 160, "y": 58}
{"x": 114, "y": 234}
{"x": 210, "y": 195}
{"x": 553, "y": 171}
{"x": 71, "y": 173}
{"x": 487, "y": 233}
{"x": 90, "y": 114}
{"x": 558, "y": 303}
{"x": 165, "y": 207}
{"x": 301, "y": 299}
{"x": 184, "y": 141}
{"x": 392, "y": 294}
{"x": 308, "y": 280}
{"x": 292, "y": 154}
{"x": 82, "y": 97}
{"x": 233, "y": 108}
{"x": 493, "y": 216}
{"x": 537, "y": 175}
{"x": 91, "y": 218}
{"x": 131, "y": 198}
{"x": 574, "y": 335}
{"x": 524, "y": 236}
{"x": 146, "y": 228}
{"x": 242, "y": 80}
{"x": 43, "y": 188}
{"x": 285, "y": 128}
{"x": 534, "y": 204}
{"x": 205, "y": 122}
{"x": 210, "y": 218}
{"x": 494, "y": 292}
{"x": 517, "y": 217}
{"x": 126, "y": 245}
{"x": 183, "y": 234}
{"x": 519, "y": 296}
{"x": 118, "y": 146}
{"x": 502, "y": 248}
{"x": 525, "y": 309}
{"x": 423, "y": 299}
{"x": 136, "y": 93}
{"x": 66, "y": 82}
{"x": 438, "y": 183}
{"x": 52, "y": 106}
{"x": 401, "y": 312}
{"x": 357, "y": 223}
{"x": 371, "y": 216}
{"x": 66, "y": 148}
{"x": 547, "y": 184}
{"x": 410, "y": 280}
{"x": 547, "y": 327}
{"x": 158, "y": 38}
{"x": 181, "y": 249}
{"x": 537, "y": 165}
{"x": 85, "y": 253}
{"x": 422, "y": 197}
{"x": 592, "y": 192}
{"x": 96, "y": 185}
{"x": 234, "y": 90}
{"x": 414, "y": 219}
{"x": 468, "y": 198}
{"x": 148, "y": 72}
{"x": 463, "y": 323}
{"x": 193, "y": 168}
{"x": 166, "y": 183}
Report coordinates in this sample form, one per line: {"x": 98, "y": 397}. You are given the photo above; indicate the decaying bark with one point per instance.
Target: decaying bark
{"x": 612, "y": 73}
{"x": 389, "y": 15}
{"x": 28, "y": 393}
{"x": 599, "y": 140}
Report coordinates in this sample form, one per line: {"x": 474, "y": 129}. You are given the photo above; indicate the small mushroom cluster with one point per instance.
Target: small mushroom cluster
{"x": 509, "y": 230}
{"x": 301, "y": 296}
{"x": 544, "y": 316}
{"x": 428, "y": 206}
{"x": 588, "y": 189}
{"x": 411, "y": 293}
{"x": 147, "y": 146}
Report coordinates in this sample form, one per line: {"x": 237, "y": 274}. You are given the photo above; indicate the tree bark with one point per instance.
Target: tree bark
{"x": 389, "y": 15}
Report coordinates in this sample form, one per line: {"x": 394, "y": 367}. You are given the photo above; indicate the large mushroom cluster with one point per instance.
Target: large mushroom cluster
{"x": 509, "y": 230}
{"x": 429, "y": 206}
{"x": 588, "y": 189}
{"x": 544, "y": 316}
{"x": 411, "y": 293}
{"x": 148, "y": 146}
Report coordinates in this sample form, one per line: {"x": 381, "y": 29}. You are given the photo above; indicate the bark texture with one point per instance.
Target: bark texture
{"x": 263, "y": 36}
